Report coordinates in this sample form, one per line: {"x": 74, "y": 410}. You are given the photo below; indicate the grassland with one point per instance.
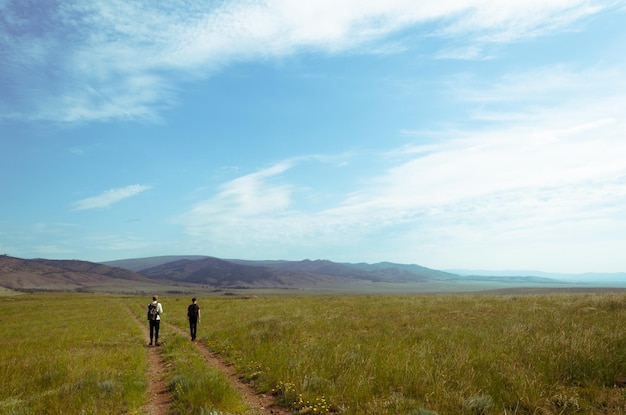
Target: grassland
{"x": 392, "y": 354}
{"x": 73, "y": 354}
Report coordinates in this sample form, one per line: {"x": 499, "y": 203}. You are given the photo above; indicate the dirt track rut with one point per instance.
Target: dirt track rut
{"x": 160, "y": 396}
{"x": 259, "y": 404}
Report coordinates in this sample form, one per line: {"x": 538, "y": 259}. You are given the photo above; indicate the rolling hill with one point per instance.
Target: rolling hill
{"x": 318, "y": 275}
{"x": 69, "y": 275}
{"x": 193, "y": 273}
{"x": 267, "y": 273}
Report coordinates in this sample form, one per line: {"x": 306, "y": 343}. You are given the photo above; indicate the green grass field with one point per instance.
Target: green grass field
{"x": 69, "y": 354}
{"x": 392, "y": 354}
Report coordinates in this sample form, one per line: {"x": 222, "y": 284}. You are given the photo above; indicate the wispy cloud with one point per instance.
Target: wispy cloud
{"x": 121, "y": 242}
{"x": 109, "y": 197}
{"x": 245, "y": 198}
{"x": 494, "y": 21}
{"x": 472, "y": 52}
{"x": 552, "y": 176}
{"x": 112, "y": 59}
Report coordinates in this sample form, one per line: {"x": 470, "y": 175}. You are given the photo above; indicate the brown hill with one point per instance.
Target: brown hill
{"x": 231, "y": 272}
{"x": 324, "y": 274}
{"x": 63, "y": 275}
{"x": 382, "y": 272}
{"x": 227, "y": 274}
{"x": 209, "y": 274}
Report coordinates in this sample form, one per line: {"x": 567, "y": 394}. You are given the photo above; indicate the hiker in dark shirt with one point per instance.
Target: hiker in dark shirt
{"x": 193, "y": 315}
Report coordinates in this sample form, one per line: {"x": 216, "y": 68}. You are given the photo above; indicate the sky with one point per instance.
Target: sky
{"x": 457, "y": 134}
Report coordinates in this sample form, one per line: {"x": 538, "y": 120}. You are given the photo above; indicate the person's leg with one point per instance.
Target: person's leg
{"x": 151, "y": 331}
{"x": 193, "y": 324}
{"x": 156, "y": 331}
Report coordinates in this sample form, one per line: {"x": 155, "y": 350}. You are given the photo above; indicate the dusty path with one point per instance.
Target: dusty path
{"x": 159, "y": 395}
{"x": 259, "y": 404}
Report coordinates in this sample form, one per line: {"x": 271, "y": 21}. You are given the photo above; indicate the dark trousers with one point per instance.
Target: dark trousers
{"x": 154, "y": 330}
{"x": 193, "y": 325}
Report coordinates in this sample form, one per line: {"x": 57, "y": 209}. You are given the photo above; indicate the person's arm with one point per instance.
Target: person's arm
{"x": 198, "y": 314}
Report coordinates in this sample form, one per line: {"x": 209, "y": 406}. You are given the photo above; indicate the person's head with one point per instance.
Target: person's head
{"x": 155, "y": 298}
{"x": 193, "y": 300}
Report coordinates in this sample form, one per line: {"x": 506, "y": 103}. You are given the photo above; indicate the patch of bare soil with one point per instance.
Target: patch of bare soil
{"x": 159, "y": 394}
{"x": 259, "y": 403}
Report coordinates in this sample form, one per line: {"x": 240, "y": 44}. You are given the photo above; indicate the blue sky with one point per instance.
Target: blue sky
{"x": 451, "y": 134}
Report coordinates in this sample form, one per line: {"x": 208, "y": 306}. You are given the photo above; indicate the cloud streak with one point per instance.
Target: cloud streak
{"x": 551, "y": 176}
{"x": 116, "y": 65}
{"x": 109, "y": 197}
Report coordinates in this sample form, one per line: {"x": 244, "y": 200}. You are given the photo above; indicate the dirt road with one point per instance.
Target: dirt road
{"x": 160, "y": 396}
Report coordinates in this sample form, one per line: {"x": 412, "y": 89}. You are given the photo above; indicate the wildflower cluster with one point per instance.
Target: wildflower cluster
{"x": 285, "y": 392}
{"x": 317, "y": 406}
{"x": 179, "y": 389}
{"x": 287, "y": 395}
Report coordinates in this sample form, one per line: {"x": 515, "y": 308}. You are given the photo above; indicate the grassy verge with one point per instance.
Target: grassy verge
{"x": 427, "y": 354}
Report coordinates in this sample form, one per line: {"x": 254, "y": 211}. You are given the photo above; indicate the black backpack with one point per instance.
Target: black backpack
{"x": 153, "y": 311}
{"x": 192, "y": 311}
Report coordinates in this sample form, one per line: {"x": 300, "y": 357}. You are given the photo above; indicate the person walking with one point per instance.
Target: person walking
{"x": 155, "y": 309}
{"x": 193, "y": 315}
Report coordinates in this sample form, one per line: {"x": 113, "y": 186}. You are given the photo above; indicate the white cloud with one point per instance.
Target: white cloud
{"x": 125, "y": 243}
{"x": 110, "y": 197}
{"x": 495, "y": 21}
{"x": 546, "y": 145}
{"x": 111, "y": 59}
{"x": 472, "y": 52}
{"x": 552, "y": 176}
{"x": 245, "y": 199}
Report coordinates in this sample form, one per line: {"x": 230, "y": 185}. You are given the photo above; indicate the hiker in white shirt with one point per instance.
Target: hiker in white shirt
{"x": 155, "y": 309}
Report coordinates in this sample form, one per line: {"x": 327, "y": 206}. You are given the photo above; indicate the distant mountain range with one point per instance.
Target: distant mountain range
{"x": 299, "y": 274}
{"x": 184, "y": 273}
{"x": 611, "y": 278}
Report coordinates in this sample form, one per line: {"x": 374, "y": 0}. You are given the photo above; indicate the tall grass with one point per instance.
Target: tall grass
{"x": 197, "y": 389}
{"x": 452, "y": 354}
{"x": 466, "y": 354}
{"x": 69, "y": 354}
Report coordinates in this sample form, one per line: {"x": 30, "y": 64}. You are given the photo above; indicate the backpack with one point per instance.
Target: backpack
{"x": 192, "y": 311}
{"x": 153, "y": 311}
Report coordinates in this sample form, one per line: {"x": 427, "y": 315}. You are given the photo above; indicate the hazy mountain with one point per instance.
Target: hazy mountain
{"x": 615, "y": 278}
{"x": 175, "y": 274}
{"x": 137, "y": 264}
{"x": 62, "y": 275}
{"x": 306, "y": 273}
{"x": 241, "y": 273}
{"x": 407, "y": 270}
{"x": 383, "y": 271}
{"x": 211, "y": 271}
